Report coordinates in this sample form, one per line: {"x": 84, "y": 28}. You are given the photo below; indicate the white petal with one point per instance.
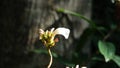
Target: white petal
{"x": 84, "y": 67}
{"x": 62, "y": 31}
{"x": 52, "y": 30}
{"x": 77, "y": 66}
{"x": 41, "y": 31}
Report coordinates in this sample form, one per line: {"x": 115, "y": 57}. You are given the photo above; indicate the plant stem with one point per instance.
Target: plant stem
{"x": 51, "y": 58}
{"x": 109, "y": 34}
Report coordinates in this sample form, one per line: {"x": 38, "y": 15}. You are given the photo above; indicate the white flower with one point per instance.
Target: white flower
{"x": 62, "y": 31}
{"x": 48, "y": 37}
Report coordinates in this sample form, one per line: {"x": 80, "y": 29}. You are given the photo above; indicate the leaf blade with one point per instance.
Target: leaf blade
{"x": 107, "y": 49}
{"x": 116, "y": 59}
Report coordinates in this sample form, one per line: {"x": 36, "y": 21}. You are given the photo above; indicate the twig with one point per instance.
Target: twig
{"x": 109, "y": 34}
{"x": 51, "y": 58}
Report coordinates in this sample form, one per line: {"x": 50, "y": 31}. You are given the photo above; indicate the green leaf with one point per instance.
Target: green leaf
{"x": 78, "y": 15}
{"x": 92, "y": 23}
{"x": 116, "y": 59}
{"x": 107, "y": 49}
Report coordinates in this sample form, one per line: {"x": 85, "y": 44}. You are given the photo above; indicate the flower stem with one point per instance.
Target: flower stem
{"x": 51, "y": 58}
